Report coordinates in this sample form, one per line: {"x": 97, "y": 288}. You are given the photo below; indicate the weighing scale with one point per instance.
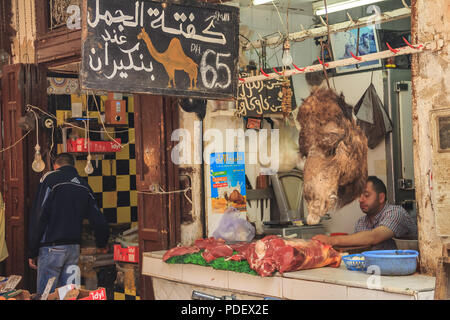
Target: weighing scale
{"x": 290, "y": 222}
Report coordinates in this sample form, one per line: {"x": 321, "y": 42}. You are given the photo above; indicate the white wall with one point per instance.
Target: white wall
{"x": 212, "y": 122}
{"x": 353, "y": 86}
{"x": 193, "y": 230}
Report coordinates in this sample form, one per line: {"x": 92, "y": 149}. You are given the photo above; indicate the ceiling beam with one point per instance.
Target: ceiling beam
{"x": 322, "y": 31}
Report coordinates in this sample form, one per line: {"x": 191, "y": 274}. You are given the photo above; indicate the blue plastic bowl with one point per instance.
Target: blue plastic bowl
{"x": 391, "y": 262}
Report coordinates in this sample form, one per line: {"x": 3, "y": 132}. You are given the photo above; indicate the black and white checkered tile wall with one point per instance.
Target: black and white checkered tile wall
{"x": 114, "y": 178}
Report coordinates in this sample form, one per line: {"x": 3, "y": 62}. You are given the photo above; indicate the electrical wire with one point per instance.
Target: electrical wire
{"x": 87, "y": 129}
{"x": 15, "y": 143}
{"x": 53, "y": 142}
{"x": 72, "y": 125}
{"x": 279, "y": 15}
{"x": 103, "y": 125}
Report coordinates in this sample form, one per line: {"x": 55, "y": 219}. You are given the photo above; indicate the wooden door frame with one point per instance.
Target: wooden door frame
{"x": 22, "y": 84}
{"x": 155, "y": 168}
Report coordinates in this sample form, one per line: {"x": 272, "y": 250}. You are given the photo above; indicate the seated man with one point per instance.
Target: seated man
{"x": 381, "y": 223}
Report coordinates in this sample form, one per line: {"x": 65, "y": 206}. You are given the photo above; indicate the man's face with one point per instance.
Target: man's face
{"x": 370, "y": 202}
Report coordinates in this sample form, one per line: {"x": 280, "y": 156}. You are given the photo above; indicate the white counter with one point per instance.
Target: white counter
{"x": 321, "y": 283}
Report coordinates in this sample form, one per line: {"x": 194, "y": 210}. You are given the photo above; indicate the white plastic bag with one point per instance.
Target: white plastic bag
{"x": 233, "y": 228}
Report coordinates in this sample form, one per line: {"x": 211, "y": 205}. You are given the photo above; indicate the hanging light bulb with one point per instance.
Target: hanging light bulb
{"x": 287, "y": 58}
{"x": 38, "y": 165}
{"x": 89, "y": 168}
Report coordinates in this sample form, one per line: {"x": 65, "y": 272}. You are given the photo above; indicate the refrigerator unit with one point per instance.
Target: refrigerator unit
{"x": 399, "y": 144}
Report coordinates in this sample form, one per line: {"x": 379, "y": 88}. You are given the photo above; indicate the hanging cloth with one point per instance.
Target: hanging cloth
{"x": 3, "y": 249}
{"x": 372, "y": 117}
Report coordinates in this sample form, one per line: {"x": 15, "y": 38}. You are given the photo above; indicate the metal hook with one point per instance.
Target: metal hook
{"x": 321, "y": 62}
{"x": 410, "y": 45}
{"x": 281, "y": 74}
{"x": 357, "y": 58}
{"x": 262, "y": 71}
{"x": 393, "y": 50}
{"x": 299, "y": 69}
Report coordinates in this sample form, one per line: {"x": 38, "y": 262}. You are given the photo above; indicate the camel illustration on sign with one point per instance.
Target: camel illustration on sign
{"x": 172, "y": 59}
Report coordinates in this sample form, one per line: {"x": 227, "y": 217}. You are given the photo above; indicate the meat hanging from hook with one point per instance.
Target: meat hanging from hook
{"x": 286, "y": 100}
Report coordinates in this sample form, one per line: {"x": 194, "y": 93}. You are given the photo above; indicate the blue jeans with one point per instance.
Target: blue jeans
{"x": 60, "y": 262}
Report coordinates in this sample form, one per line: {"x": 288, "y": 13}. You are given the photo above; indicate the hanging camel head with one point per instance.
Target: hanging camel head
{"x": 336, "y": 153}
{"x": 140, "y": 36}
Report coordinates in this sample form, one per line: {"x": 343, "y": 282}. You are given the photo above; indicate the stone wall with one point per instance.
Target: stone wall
{"x": 431, "y": 92}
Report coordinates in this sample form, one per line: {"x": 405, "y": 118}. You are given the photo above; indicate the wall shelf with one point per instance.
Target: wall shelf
{"x": 92, "y": 124}
{"x": 233, "y": 113}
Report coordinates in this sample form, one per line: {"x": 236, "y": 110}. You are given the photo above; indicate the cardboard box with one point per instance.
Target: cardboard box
{"x": 128, "y": 254}
{"x": 99, "y": 294}
{"x": 71, "y": 292}
{"x": 79, "y": 145}
{"x": 16, "y": 295}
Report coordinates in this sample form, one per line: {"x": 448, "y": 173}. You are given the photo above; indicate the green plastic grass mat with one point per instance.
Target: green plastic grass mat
{"x": 219, "y": 263}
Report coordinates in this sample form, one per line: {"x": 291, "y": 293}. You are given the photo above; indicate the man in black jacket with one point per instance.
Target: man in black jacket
{"x": 63, "y": 201}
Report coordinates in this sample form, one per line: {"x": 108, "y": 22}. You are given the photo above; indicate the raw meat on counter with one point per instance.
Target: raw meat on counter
{"x": 179, "y": 251}
{"x": 273, "y": 253}
{"x": 268, "y": 255}
{"x": 213, "y": 248}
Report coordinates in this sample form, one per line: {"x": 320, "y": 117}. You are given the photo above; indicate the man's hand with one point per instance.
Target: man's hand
{"x": 32, "y": 263}
{"x": 324, "y": 239}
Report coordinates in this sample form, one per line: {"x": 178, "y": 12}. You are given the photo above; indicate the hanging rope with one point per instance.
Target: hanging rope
{"x": 161, "y": 191}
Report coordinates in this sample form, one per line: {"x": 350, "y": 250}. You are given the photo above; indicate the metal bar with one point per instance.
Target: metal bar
{"x": 342, "y": 26}
{"x": 338, "y": 63}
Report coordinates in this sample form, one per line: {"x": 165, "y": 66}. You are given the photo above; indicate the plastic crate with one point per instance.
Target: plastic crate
{"x": 128, "y": 254}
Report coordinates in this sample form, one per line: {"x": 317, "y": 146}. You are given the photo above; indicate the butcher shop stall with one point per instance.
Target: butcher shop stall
{"x": 238, "y": 149}
{"x": 324, "y": 101}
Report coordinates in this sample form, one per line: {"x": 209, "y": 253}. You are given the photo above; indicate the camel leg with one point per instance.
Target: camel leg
{"x": 192, "y": 82}
{"x": 195, "y": 78}
{"x": 171, "y": 78}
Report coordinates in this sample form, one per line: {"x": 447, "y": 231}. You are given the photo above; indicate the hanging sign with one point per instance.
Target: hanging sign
{"x": 259, "y": 98}
{"x": 228, "y": 181}
{"x": 160, "y": 48}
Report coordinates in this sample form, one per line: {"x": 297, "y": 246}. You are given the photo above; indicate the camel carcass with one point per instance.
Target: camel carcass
{"x": 335, "y": 148}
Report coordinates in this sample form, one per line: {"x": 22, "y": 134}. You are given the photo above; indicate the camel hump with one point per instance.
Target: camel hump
{"x": 175, "y": 43}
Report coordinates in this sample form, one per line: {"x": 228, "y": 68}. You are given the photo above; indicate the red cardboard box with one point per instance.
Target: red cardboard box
{"x": 99, "y": 294}
{"x": 70, "y": 292}
{"x": 128, "y": 254}
{"x": 79, "y": 145}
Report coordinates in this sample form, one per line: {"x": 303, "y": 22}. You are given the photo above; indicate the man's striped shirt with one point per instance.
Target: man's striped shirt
{"x": 393, "y": 217}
